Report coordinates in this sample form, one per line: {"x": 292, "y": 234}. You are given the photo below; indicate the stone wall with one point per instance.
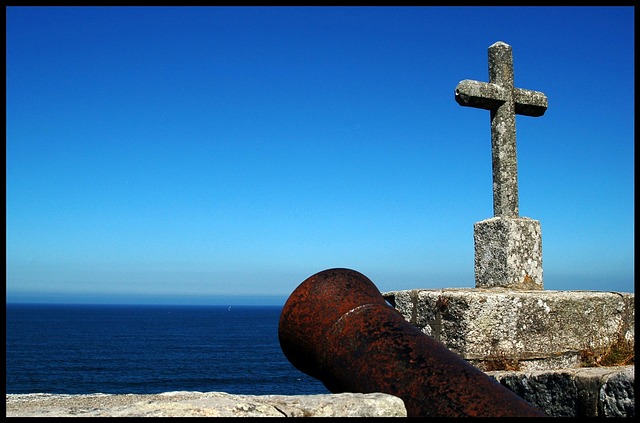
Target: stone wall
{"x": 581, "y": 392}
{"x": 204, "y": 404}
{"x": 584, "y": 392}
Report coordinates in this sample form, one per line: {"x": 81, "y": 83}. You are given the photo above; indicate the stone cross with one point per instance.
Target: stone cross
{"x": 505, "y": 102}
{"x": 508, "y": 248}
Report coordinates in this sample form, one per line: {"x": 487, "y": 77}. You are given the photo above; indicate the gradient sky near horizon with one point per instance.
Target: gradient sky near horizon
{"x": 181, "y": 155}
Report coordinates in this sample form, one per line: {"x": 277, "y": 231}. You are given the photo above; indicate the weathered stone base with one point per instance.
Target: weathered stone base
{"x": 534, "y": 342}
{"x": 497, "y": 328}
{"x": 508, "y": 253}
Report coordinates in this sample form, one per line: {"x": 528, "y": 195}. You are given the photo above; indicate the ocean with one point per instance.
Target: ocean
{"x": 148, "y": 349}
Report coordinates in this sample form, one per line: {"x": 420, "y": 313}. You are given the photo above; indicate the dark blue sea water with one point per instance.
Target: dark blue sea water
{"x": 118, "y": 349}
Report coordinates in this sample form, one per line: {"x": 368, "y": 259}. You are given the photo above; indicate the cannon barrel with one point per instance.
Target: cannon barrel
{"x": 337, "y": 327}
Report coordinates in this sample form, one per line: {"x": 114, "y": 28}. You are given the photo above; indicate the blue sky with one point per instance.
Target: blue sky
{"x": 183, "y": 155}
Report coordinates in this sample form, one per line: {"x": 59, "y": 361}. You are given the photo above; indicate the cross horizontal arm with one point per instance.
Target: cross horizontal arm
{"x": 488, "y": 96}
{"x": 530, "y": 103}
{"x": 481, "y": 95}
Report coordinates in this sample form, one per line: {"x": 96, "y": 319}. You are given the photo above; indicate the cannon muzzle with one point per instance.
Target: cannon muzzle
{"x": 337, "y": 327}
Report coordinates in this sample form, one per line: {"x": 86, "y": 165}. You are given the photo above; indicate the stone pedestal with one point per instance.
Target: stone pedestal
{"x": 537, "y": 342}
{"x": 520, "y": 330}
{"x": 508, "y": 253}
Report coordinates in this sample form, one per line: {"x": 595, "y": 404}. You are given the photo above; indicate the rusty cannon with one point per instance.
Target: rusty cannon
{"x": 337, "y": 327}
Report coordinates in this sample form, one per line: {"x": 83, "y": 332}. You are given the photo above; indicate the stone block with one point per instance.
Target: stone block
{"x": 522, "y": 330}
{"x": 508, "y": 253}
{"x": 584, "y": 392}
